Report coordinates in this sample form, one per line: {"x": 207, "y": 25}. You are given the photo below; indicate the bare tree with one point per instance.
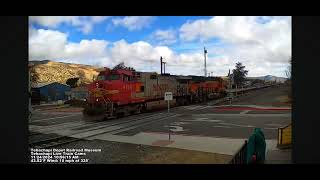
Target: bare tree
{"x": 82, "y": 76}
{"x": 289, "y": 68}
{"x": 34, "y": 76}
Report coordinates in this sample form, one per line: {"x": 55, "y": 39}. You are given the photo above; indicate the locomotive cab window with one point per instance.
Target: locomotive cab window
{"x": 113, "y": 77}
{"x": 127, "y": 78}
{"x": 141, "y": 88}
{"x": 101, "y": 78}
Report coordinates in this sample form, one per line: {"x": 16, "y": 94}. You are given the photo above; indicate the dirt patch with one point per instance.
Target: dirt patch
{"x": 180, "y": 156}
{"x": 283, "y": 100}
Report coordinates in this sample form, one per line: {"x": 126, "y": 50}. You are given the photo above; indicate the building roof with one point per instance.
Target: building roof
{"x": 39, "y": 85}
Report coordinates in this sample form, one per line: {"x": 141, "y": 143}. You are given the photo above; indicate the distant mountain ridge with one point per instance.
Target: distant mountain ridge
{"x": 269, "y": 78}
{"x": 51, "y": 71}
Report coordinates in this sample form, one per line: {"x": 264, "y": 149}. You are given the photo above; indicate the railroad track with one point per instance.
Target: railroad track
{"x": 117, "y": 121}
{"x": 132, "y": 123}
{"x": 129, "y": 124}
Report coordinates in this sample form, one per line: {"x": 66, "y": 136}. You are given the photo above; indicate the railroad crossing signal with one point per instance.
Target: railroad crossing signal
{"x": 168, "y": 97}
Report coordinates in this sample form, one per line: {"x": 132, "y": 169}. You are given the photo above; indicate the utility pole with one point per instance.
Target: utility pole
{"x": 205, "y": 61}
{"x": 161, "y": 63}
{"x": 164, "y": 65}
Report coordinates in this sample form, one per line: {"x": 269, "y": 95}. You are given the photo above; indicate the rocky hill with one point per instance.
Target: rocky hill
{"x": 51, "y": 71}
{"x": 269, "y": 78}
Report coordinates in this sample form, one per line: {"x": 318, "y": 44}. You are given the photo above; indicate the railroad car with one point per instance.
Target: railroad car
{"x": 122, "y": 91}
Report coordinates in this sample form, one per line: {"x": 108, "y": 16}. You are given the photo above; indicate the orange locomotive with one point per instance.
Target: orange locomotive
{"x": 121, "y": 91}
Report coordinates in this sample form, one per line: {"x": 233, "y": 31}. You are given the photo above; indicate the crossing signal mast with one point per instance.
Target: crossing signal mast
{"x": 205, "y": 61}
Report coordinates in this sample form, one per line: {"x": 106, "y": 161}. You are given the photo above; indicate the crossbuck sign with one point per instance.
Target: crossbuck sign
{"x": 168, "y": 96}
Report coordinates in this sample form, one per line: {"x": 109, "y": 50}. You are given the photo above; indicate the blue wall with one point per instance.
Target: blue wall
{"x": 55, "y": 91}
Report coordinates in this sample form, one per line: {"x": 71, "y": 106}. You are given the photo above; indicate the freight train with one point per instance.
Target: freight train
{"x": 121, "y": 91}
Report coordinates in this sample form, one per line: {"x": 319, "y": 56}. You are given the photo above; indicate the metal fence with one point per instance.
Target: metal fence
{"x": 241, "y": 156}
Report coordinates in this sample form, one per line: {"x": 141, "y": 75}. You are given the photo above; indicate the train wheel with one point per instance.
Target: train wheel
{"x": 143, "y": 108}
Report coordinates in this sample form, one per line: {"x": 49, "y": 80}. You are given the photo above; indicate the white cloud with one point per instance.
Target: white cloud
{"x": 53, "y": 21}
{"x": 83, "y": 23}
{"x": 133, "y": 22}
{"x": 251, "y": 40}
{"x": 53, "y": 45}
{"x": 263, "y": 52}
{"x": 165, "y": 37}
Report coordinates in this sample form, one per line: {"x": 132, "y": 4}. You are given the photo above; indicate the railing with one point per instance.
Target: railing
{"x": 285, "y": 137}
{"x": 241, "y": 155}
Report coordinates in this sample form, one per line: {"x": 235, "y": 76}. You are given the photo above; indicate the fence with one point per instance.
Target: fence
{"x": 285, "y": 137}
{"x": 241, "y": 155}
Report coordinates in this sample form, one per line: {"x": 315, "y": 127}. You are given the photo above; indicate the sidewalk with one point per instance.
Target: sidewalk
{"x": 226, "y": 146}
{"x": 279, "y": 156}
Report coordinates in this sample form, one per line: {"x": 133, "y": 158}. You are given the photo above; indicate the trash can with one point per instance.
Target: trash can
{"x": 256, "y": 149}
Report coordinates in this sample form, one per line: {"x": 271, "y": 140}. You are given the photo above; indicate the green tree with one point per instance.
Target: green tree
{"x": 239, "y": 74}
{"x": 72, "y": 82}
{"x": 122, "y": 66}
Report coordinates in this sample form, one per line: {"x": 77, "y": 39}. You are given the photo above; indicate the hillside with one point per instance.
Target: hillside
{"x": 50, "y": 71}
{"x": 269, "y": 78}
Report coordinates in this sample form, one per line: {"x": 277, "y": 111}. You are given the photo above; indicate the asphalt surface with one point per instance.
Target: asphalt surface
{"x": 194, "y": 120}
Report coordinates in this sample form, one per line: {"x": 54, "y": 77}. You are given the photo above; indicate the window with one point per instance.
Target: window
{"x": 141, "y": 88}
{"x": 113, "y": 77}
{"x": 101, "y": 78}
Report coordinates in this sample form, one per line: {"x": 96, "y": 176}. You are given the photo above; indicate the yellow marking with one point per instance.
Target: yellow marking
{"x": 285, "y": 136}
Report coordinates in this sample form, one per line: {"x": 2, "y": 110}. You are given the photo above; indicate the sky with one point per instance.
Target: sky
{"x": 261, "y": 43}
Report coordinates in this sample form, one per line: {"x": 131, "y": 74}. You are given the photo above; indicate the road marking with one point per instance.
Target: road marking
{"x": 205, "y": 107}
{"x": 204, "y": 120}
{"x": 193, "y": 107}
{"x": 222, "y": 126}
{"x": 55, "y": 118}
{"x": 278, "y": 125}
{"x": 237, "y": 125}
{"x": 245, "y": 115}
{"x": 175, "y": 128}
{"x": 254, "y": 106}
{"x": 179, "y": 123}
{"x": 245, "y": 112}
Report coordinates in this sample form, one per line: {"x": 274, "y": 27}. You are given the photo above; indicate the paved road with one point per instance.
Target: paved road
{"x": 200, "y": 120}
{"x": 190, "y": 121}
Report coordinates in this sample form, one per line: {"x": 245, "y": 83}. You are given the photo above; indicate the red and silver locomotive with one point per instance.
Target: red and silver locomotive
{"x": 121, "y": 91}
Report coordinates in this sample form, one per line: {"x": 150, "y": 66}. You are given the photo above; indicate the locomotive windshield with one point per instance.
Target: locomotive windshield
{"x": 113, "y": 77}
{"x": 101, "y": 78}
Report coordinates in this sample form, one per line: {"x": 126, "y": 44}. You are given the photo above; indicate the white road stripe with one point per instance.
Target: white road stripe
{"x": 222, "y": 126}
{"x": 55, "y": 118}
{"x": 245, "y": 112}
{"x": 243, "y": 115}
{"x": 237, "y": 125}
{"x": 204, "y": 120}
